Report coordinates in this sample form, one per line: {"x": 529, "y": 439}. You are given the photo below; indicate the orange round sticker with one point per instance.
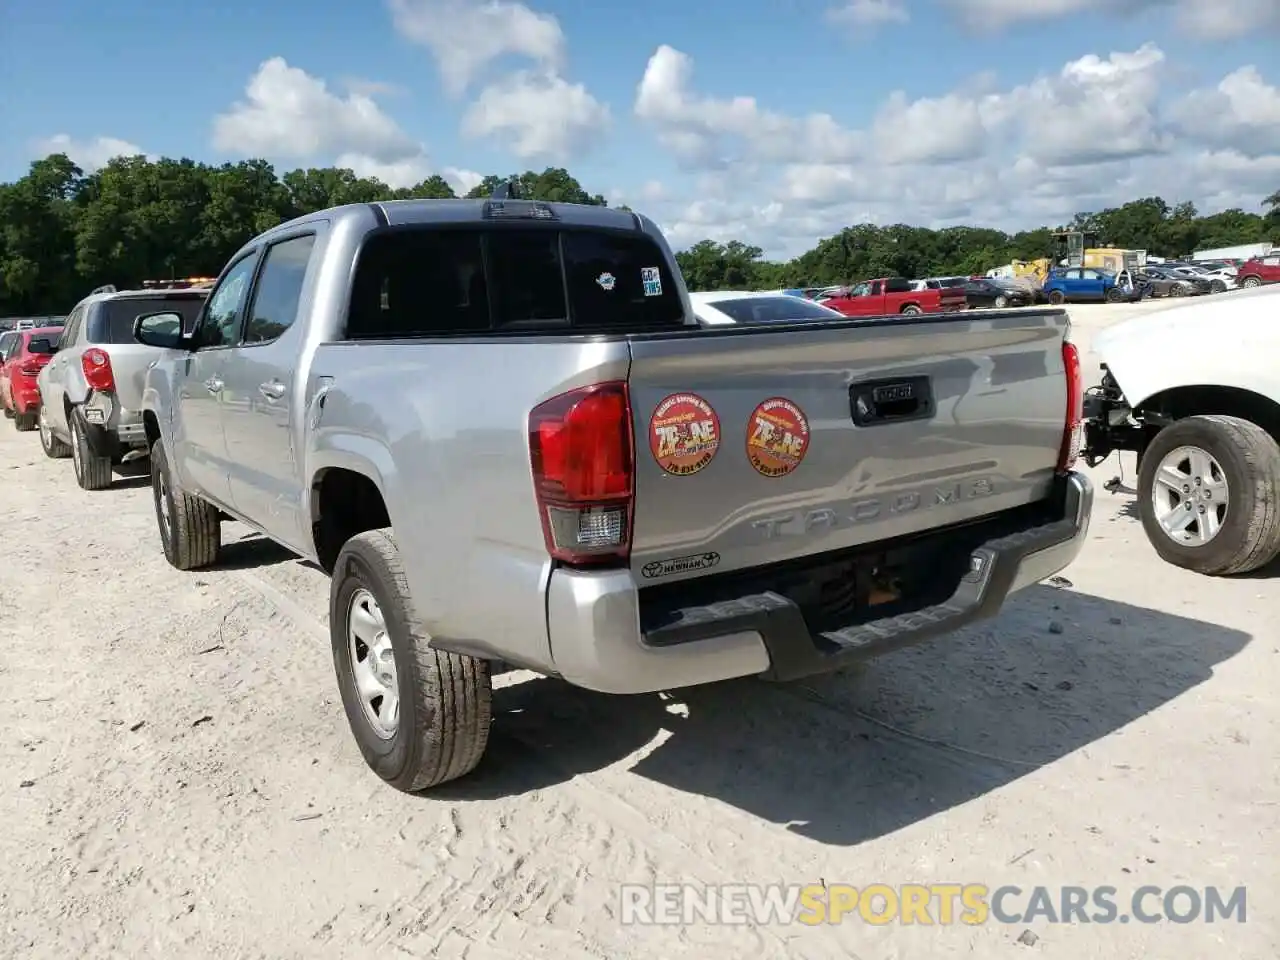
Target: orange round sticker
{"x": 777, "y": 437}
{"x": 684, "y": 434}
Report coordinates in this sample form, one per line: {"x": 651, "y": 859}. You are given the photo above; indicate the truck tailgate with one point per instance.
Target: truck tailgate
{"x": 756, "y": 445}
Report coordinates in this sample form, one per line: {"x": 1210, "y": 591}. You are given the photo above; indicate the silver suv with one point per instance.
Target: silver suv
{"x": 91, "y": 391}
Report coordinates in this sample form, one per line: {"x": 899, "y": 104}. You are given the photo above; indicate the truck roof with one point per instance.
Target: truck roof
{"x": 405, "y": 212}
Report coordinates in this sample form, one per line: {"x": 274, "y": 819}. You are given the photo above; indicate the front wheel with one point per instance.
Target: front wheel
{"x": 1114, "y": 295}
{"x": 190, "y": 528}
{"x": 1207, "y": 493}
{"x": 1057, "y": 297}
{"x": 420, "y": 715}
{"x": 1001, "y": 302}
{"x": 1251, "y": 282}
{"x": 24, "y": 422}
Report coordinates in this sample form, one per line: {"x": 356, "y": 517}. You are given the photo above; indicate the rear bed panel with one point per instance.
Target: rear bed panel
{"x": 989, "y": 442}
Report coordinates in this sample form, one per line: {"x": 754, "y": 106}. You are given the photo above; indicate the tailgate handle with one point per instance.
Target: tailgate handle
{"x": 897, "y": 400}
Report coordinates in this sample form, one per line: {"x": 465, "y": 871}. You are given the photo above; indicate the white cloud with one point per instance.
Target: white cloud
{"x": 1242, "y": 113}
{"x": 397, "y": 173}
{"x": 865, "y": 15}
{"x": 707, "y": 131}
{"x": 465, "y": 36}
{"x": 542, "y": 115}
{"x": 1203, "y": 19}
{"x": 288, "y": 113}
{"x": 1100, "y": 131}
{"x": 462, "y": 181}
{"x": 88, "y": 155}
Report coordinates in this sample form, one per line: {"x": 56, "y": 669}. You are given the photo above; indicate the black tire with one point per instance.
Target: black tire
{"x": 1217, "y": 286}
{"x": 445, "y": 698}
{"x": 1251, "y": 282}
{"x": 1114, "y": 295}
{"x": 24, "y": 422}
{"x": 910, "y": 310}
{"x": 1057, "y": 297}
{"x": 1177, "y": 290}
{"x": 1001, "y": 302}
{"x": 8, "y": 413}
{"x": 54, "y": 448}
{"x": 192, "y": 535}
{"x": 92, "y": 471}
{"x": 1250, "y": 461}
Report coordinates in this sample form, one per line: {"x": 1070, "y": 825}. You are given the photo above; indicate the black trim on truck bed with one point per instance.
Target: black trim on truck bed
{"x": 821, "y": 613}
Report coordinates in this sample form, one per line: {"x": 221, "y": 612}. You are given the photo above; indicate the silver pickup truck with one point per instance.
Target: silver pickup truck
{"x": 498, "y": 426}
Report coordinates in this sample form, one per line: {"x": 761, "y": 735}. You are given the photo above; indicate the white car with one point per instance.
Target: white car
{"x": 723, "y": 307}
{"x": 1228, "y": 279}
{"x": 1205, "y": 425}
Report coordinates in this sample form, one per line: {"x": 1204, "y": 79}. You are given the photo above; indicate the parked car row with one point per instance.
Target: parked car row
{"x": 404, "y": 393}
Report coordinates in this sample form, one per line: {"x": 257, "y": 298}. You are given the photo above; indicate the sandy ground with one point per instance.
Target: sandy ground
{"x": 179, "y": 780}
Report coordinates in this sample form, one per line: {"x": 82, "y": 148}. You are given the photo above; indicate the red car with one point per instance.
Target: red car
{"x": 1259, "y": 270}
{"x": 18, "y": 394}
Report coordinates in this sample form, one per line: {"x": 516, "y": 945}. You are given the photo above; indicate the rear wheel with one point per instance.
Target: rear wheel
{"x": 911, "y": 310}
{"x": 1251, "y": 282}
{"x": 419, "y": 715}
{"x": 1057, "y": 297}
{"x": 24, "y": 422}
{"x": 92, "y": 471}
{"x": 53, "y": 448}
{"x": 190, "y": 530}
{"x": 1209, "y": 495}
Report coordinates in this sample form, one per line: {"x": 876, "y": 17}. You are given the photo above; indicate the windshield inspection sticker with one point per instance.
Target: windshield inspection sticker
{"x": 607, "y": 281}
{"x": 777, "y": 437}
{"x": 684, "y": 434}
{"x": 651, "y": 280}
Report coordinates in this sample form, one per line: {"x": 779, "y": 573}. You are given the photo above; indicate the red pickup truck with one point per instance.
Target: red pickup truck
{"x": 876, "y": 298}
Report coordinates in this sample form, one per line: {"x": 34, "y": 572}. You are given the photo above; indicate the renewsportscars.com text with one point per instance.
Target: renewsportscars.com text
{"x": 922, "y": 904}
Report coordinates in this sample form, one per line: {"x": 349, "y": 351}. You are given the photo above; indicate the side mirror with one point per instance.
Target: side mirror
{"x": 160, "y": 330}
{"x": 43, "y": 346}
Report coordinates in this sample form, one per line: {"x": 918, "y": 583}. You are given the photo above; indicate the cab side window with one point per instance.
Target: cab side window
{"x": 279, "y": 289}
{"x": 220, "y": 322}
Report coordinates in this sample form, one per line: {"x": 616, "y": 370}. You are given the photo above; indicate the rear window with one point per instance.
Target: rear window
{"x": 774, "y": 310}
{"x": 466, "y": 281}
{"x": 113, "y": 319}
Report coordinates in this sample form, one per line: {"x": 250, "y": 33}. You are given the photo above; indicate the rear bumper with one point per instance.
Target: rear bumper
{"x": 597, "y": 643}
{"x": 110, "y": 429}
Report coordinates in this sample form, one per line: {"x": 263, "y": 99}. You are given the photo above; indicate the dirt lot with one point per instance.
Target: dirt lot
{"x": 180, "y": 782}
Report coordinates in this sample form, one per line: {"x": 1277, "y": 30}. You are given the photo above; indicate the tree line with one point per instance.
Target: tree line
{"x": 64, "y": 231}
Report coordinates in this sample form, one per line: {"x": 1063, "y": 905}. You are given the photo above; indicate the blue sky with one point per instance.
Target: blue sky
{"x": 923, "y": 111}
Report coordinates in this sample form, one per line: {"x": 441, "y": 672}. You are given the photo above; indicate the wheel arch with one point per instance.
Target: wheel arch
{"x": 1178, "y": 403}
{"x": 346, "y": 496}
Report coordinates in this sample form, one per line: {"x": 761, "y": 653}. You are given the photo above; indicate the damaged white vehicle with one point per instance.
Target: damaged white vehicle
{"x": 1194, "y": 391}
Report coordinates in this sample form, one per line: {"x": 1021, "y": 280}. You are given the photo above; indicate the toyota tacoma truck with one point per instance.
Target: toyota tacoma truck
{"x": 499, "y": 427}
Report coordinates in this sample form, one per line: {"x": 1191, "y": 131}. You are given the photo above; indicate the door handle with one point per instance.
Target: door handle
{"x": 272, "y": 389}
{"x": 213, "y": 385}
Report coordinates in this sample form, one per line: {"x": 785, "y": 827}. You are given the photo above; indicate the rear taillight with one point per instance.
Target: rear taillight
{"x": 582, "y": 452}
{"x": 97, "y": 370}
{"x": 1073, "y": 433}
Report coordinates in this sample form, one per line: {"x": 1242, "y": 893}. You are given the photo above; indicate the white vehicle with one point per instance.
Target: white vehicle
{"x": 722, "y": 307}
{"x": 1244, "y": 251}
{"x": 1220, "y": 279}
{"x": 1205, "y": 425}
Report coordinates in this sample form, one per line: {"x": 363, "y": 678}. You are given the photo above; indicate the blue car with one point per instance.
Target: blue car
{"x": 1085, "y": 285}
